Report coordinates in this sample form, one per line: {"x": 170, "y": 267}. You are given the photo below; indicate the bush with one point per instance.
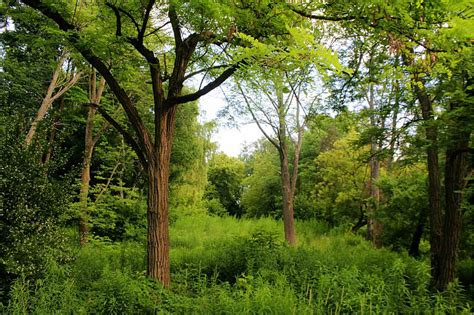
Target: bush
{"x": 33, "y": 204}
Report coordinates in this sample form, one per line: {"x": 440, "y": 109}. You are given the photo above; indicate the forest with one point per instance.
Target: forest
{"x": 357, "y": 197}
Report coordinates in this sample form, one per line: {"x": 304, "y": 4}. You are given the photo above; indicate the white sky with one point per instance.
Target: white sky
{"x": 230, "y": 140}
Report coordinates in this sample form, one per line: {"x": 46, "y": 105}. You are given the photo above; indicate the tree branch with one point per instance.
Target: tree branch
{"x": 157, "y": 29}
{"x": 141, "y": 33}
{"x": 186, "y": 77}
{"x": 118, "y": 19}
{"x": 249, "y": 107}
{"x": 323, "y": 17}
{"x": 175, "y": 25}
{"x": 127, "y": 136}
{"x": 206, "y": 89}
{"x": 69, "y": 85}
{"x": 144, "y": 138}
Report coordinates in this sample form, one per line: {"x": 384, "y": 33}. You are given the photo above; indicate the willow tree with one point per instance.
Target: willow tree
{"x": 174, "y": 42}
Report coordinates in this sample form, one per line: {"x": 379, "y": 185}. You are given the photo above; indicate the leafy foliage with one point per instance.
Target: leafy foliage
{"x": 33, "y": 205}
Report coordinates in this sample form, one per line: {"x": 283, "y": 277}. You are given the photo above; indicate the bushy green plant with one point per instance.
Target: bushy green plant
{"x": 33, "y": 205}
{"x": 404, "y": 206}
{"x": 240, "y": 271}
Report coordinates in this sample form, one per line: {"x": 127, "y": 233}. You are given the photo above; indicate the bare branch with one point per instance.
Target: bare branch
{"x": 69, "y": 85}
{"x": 249, "y": 107}
{"x": 117, "y": 14}
{"x": 157, "y": 29}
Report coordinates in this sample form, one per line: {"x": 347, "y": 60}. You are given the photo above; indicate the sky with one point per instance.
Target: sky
{"x": 230, "y": 140}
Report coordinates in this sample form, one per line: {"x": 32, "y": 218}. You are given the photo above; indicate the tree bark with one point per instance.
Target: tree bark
{"x": 414, "y": 250}
{"x": 434, "y": 182}
{"x": 157, "y": 212}
{"x": 95, "y": 95}
{"x": 456, "y": 171}
{"x": 50, "y": 97}
{"x": 288, "y": 196}
{"x": 85, "y": 177}
{"x": 374, "y": 227}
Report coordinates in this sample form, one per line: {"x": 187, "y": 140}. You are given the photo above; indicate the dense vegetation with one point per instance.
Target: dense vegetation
{"x": 358, "y": 197}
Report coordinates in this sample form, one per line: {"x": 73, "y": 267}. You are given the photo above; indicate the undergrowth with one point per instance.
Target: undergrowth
{"x": 230, "y": 266}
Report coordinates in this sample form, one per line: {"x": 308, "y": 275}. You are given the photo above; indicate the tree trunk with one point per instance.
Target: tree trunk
{"x": 86, "y": 176}
{"x": 455, "y": 179}
{"x": 434, "y": 183}
{"x": 393, "y": 127}
{"x": 288, "y": 210}
{"x": 95, "y": 95}
{"x": 374, "y": 227}
{"x": 157, "y": 212}
{"x": 414, "y": 250}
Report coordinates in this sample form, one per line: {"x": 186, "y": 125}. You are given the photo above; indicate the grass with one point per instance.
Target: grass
{"x": 230, "y": 266}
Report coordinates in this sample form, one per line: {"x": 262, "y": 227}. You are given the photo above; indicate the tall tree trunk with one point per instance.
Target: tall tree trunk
{"x": 95, "y": 95}
{"x": 393, "y": 127}
{"x": 374, "y": 227}
{"x": 288, "y": 196}
{"x": 287, "y": 182}
{"x": 86, "y": 177}
{"x": 158, "y": 187}
{"x": 456, "y": 171}
{"x": 434, "y": 183}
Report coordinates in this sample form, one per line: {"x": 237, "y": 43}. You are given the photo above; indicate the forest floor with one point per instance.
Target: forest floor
{"x": 232, "y": 266}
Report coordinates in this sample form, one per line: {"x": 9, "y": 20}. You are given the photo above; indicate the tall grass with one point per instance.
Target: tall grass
{"x": 230, "y": 266}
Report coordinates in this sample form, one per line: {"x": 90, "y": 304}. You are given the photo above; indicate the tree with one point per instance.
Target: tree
{"x": 278, "y": 101}
{"x": 90, "y": 140}
{"x": 225, "y": 175}
{"x": 275, "y": 112}
{"x": 196, "y": 28}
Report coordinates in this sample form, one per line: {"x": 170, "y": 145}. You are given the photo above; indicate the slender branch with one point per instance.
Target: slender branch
{"x": 127, "y": 136}
{"x": 109, "y": 180}
{"x": 186, "y": 77}
{"x": 249, "y": 107}
{"x": 206, "y": 89}
{"x": 175, "y": 25}
{"x": 69, "y": 85}
{"x": 101, "y": 131}
{"x": 157, "y": 29}
{"x": 323, "y": 17}
{"x": 118, "y": 9}
{"x": 148, "y": 9}
{"x": 118, "y": 19}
